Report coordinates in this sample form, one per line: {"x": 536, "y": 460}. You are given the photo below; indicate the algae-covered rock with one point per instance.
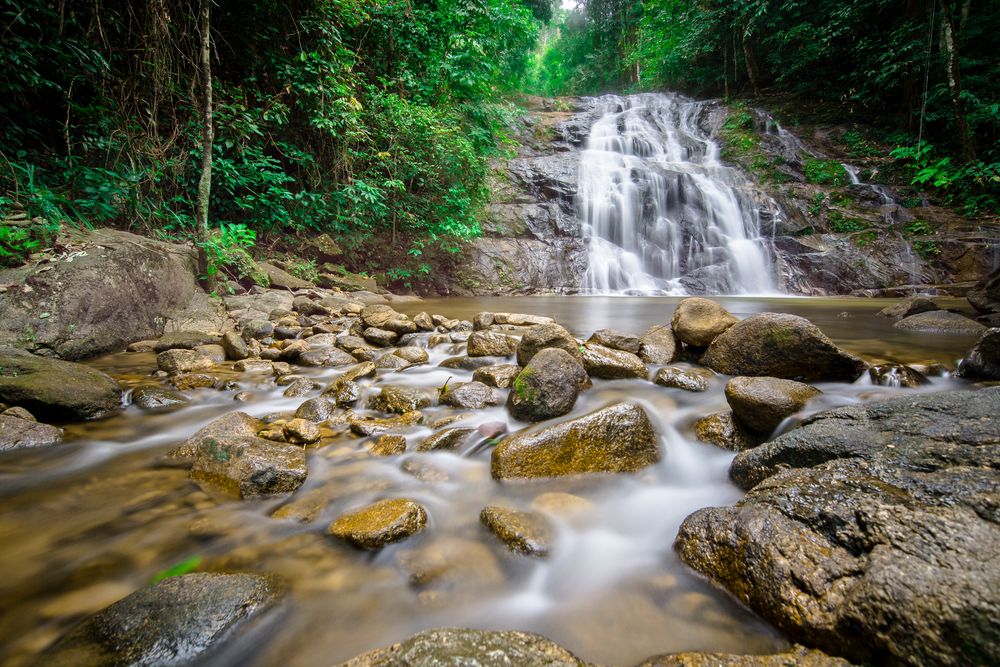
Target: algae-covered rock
{"x": 381, "y": 523}
{"x": 527, "y": 533}
{"x": 547, "y": 387}
{"x": 388, "y": 444}
{"x": 56, "y": 390}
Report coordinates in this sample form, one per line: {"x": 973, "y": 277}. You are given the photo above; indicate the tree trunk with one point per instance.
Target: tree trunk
{"x": 207, "y": 139}
{"x": 955, "y": 83}
{"x": 750, "y": 63}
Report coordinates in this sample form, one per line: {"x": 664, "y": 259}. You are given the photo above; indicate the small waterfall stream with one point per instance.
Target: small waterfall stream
{"x": 661, "y": 214}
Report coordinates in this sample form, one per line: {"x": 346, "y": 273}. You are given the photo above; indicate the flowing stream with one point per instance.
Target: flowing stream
{"x": 89, "y": 521}
{"x": 661, "y": 213}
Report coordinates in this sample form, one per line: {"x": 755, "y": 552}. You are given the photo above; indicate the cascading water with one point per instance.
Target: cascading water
{"x": 660, "y": 212}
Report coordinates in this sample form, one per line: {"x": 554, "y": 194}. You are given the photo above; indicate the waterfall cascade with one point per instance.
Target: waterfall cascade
{"x": 661, "y": 214}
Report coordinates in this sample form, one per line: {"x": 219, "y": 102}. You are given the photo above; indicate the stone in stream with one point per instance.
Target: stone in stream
{"x": 345, "y": 393}
{"x": 154, "y": 398}
{"x": 491, "y": 344}
{"x": 722, "y": 429}
{"x": 184, "y": 340}
{"x": 316, "y": 409}
{"x": 423, "y": 321}
{"x": 527, "y": 533}
{"x": 896, "y": 375}
{"x": 697, "y": 321}
{"x": 688, "y": 379}
{"x": 325, "y": 355}
{"x": 616, "y": 340}
{"x": 399, "y": 400}
{"x": 547, "y": 387}
{"x": 377, "y": 315}
{"x": 392, "y": 362}
{"x": 448, "y": 439}
{"x": 254, "y": 366}
{"x": 500, "y": 376}
{"x": 762, "y": 403}
{"x": 941, "y": 321}
{"x": 545, "y": 336}
{"x": 178, "y": 621}
{"x": 870, "y": 531}
{"x": 658, "y": 345}
{"x": 451, "y": 564}
{"x": 388, "y": 445}
{"x": 911, "y": 305}
{"x": 189, "y": 381}
{"x": 796, "y": 656}
{"x": 618, "y": 438}
{"x": 55, "y": 390}
{"x": 380, "y": 337}
{"x": 301, "y": 431}
{"x": 301, "y": 387}
{"x": 17, "y": 433}
{"x": 414, "y": 355}
{"x": 470, "y": 395}
{"x": 236, "y": 348}
{"x": 179, "y": 361}
{"x": 370, "y": 426}
{"x": 470, "y": 363}
{"x": 381, "y": 523}
{"x": 982, "y": 362}
{"x": 610, "y": 364}
{"x": 985, "y": 296}
{"x": 782, "y": 346}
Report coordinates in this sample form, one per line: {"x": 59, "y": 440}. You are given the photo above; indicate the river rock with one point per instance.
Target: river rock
{"x": 491, "y": 344}
{"x": 301, "y": 431}
{"x": 547, "y": 387}
{"x": 449, "y": 439}
{"x": 189, "y": 381}
{"x": 610, "y": 364}
{"x": 399, "y": 400}
{"x": 55, "y": 390}
{"x": 365, "y": 369}
{"x": 236, "y": 348}
{"x": 982, "y": 362}
{"x": 896, "y": 375}
{"x": 388, "y": 444}
{"x": 545, "y": 336}
{"x": 782, "y": 346}
{"x": 392, "y": 362}
{"x": 256, "y": 329}
{"x": 371, "y": 426}
{"x": 216, "y": 353}
{"x": 618, "y": 438}
{"x": 985, "y": 296}
{"x": 17, "y": 433}
{"x": 449, "y": 564}
{"x": 616, "y": 340}
{"x": 381, "y": 523}
{"x": 469, "y": 363}
{"x": 697, "y": 321}
{"x": 527, "y": 533}
{"x": 306, "y": 306}
{"x": 797, "y": 656}
{"x": 345, "y": 393}
{"x": 184, "y": 340}
{"x": 658, "y": 345}
{"x": 281, "y": 279}
{"x": 870, "y": 531}
{"x": 325, "y": 355}
{"x": 471, "y": 648}
{"x": 688, "y": 379}
{"x": 300, "y": 387}
{"x": 722, "y": 429}
{"x": 379, "y": 337}
{"x": 413, "y": 355}
{"x": 317, "y": 409}
{"x": 154, "y": 398}
{"x": 762, "y": 403}
{"x": 423, "y": 321}
{"x": 470, "y": 395}
{"x": 254, "y": 366}
{"x": 179, "y": 361}
{"x": 500, "y": 376}
{"x": 178, "y": 621}
{"x": 911, "y": 305}
{"x": 377, "y": 315}
{"x": 941, "y": 321}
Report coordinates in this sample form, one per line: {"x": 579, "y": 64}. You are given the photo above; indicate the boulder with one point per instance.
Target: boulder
{"x": 942, "y": 322}
{"x": 179, "y": 361}
{"x": 413, "y": 355}
{"x": 985, "y": 296}
{"x": 469, "y": 363}
{"x": 545, "y": 336}
{"x": 317, "y": 409}
{"x": 55, "y": 390}
{"x": 400, "y": 400}
{"x": 762, "y": 403}
{"x": 911, "y": 305}
{"x": 697, "y": 321}
{"x": 616, "y": 340}
{"x": 323, "y": 248}
{"x": 155, "y": 398}
{"x": 381, "y": 523}
{"x": 721, "y": 429}
{"x": 782, "y": 346}
{"x": 370, "y": 426}
{"x": 982, "y": 362}
{"x": 184, "y": 340}
{"x": 896, "y": 375}
{"x": 547, "y": 387}
{"x": 179, "y": 621}
{"x": 236, "y": 348}
{"x": 618, "y": 438}
{"x": 491, "y": 344}
{"x": 871, "y": 531}
{"x": 688, "y": 379}
{"x": 658, "y": 345}
{"x": 449, "y": 439}
{"x": 500, "y": 376}
{"x": 377, "y": 315}
{"x": 281, "y": 279}
{"x": 527, "y": 533}
{"x": 326, "y": 356}
{"x": 611, "y": 364}
{"x": 423, "y": 321}
{"x": 470, "y": 395}
{"x": 17, "y": 433}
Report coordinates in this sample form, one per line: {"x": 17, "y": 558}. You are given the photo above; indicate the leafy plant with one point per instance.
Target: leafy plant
{"x": 825, "y": 172}
{"x": 228, "y": 247}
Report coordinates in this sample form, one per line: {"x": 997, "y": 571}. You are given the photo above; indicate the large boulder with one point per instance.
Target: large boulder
{"x": 911, "y": 305}
{"x": 281, "y": 279}
{"x": 491, "y": 344}
{"x": 658, "y": 345}
{"x": 870, "y": 532}
{"x": 17, "y": 433}
{"x": 178, "y": 621}
{"x": 55, "y": 390}
{"x": 611, "y": 364}
{"x": 942, "y": 322}
{"x": 982, "y": 362}
{"x": 547, "y": 387}
{"x": 616, "y": 340}
{"x": 618, "y": 438}
{"x": 544, "y": 336}
{"x": 115, "y": 289}
{"x": 697, "y": 321}
{"x": 985, "y": 296}
{"x": 783, "y": 346}
{"x": 380, "y": 523}
{"x": 762, "y": 403}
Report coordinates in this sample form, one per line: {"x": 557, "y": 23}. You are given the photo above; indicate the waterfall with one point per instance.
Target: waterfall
{"x": 660, "y": 213}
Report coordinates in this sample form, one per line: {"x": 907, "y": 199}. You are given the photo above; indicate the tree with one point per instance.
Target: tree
{"x": 207, "y": 141}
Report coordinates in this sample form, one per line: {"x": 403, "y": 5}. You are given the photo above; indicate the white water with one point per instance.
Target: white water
{"x": 660, "y": 212}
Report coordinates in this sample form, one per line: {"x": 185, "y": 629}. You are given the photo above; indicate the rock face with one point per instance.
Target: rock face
{"x": 16, "y": 433}
{"x": 871, "y": 531}
{"x": 55, "y": 390}
{"x": 698, "y": 321}
{"x": 545, "y": 336}
{"x": 761, "y": 403}
{"x": 940, "y": 321}
{"x": 618, "y": 438}
{"x": 121, "y": 290}
{"x": 526, "y": 533}
{"x": 470, "y": 648}
{"x": 782, "y": 346}
{"x": 177, "y": 621}
{"x": 547, "y": 387}
{"x": 381, "y": 523}
{"x": 982, "y": 362}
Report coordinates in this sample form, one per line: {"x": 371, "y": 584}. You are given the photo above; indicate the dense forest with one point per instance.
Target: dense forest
{"x": 377, "y": 121}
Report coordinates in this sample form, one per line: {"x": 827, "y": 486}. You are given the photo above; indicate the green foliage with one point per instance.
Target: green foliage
{"x": 974, "y": 186}
{"x": 844, "y": 225}
{"x": 228, "y": 248}
{"x": 925, "y": 247}
{"x": 825, "y": 172}
{"x": 816, "y": 204}
{"x": 304, "y": 269}
{"x": 184, "y": 567}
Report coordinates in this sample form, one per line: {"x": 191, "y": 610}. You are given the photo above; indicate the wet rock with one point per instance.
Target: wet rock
{"x": 547, "y": 387}
{"x": 236, "y": 348}
{"x": 491, "y": 344}
{"x": 526, "y": 533}
{"x": 365, "y": 369}
{"x": 256, "y": 329}
{"x": 450, "y": 439}
{"x": 399, "y": 400}
{"x": 254, "y": 366}
{"x": 544, "y": 336}
{"x": 413, "y": 355}
{"x": 214, "y": 352}
{"x": 301, "y": 387}
{"x": 17, "y": 433}
{"x": 425, "y": 471}
{"x": 306, "y": 306}
{"x": 762, "y": 403}
{"x": 370, "y": 426}
{"x": 782, "y": 346}
{"x": 178, "y": 621}
{"x": 941, "y": 321}
{"x": 301, "y": 431}
{"x": 183, "y": 361}
{"x": 153, "y": 398}
{"x": 325, "y": 355}
{"x": 470, "y": 395}
{"x": 500, "y": 376}
{"x": 982, "y": 362}
{"x": 562, "y": 505}
{"x": 388, "y": 445}
{"x": 618, "y": 438}
{"x": 870, "y": 531}
{"x": 615, "y": 340}
{"x": 317, "y": 409}
{"x": 287, "y": 332}
{"x": 423, "y": 322}
{"x": 141, "y": 346}
{"x": 392, "y": 362}
{"x": 472, "y": 648}
{"x": 658, "y": 345}
{"x": 688, "y": 379}
{"x": 18, "y": 412}
{"x": 381, "y": 523}
{"x": 896, "y": 375}
{"x": 56, "y": 390}
{"x": 491, "y": 430}
{"x": 521, "y": 319}
{"x": 797, "y": 656}
{"x": 722, "y": 429}
{"x": 380, "y": 337}
{"x": 345, "y": 393}
{"x": 450, "y": 563}
{"x": 985, "y": 296}
{"x": 604, "y": 362}
{"x": 469, "y": 363}
{"x": 189, "y": 381}
{"x": 292, "y": 349}
{"x": 377, "y": 315}
{"x": 184, "y": 340}
{"x": 697, "y": 321}
{"x": 911, "y": 305}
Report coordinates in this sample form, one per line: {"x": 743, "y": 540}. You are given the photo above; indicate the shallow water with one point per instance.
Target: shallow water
{"x": 85, "y": 523}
